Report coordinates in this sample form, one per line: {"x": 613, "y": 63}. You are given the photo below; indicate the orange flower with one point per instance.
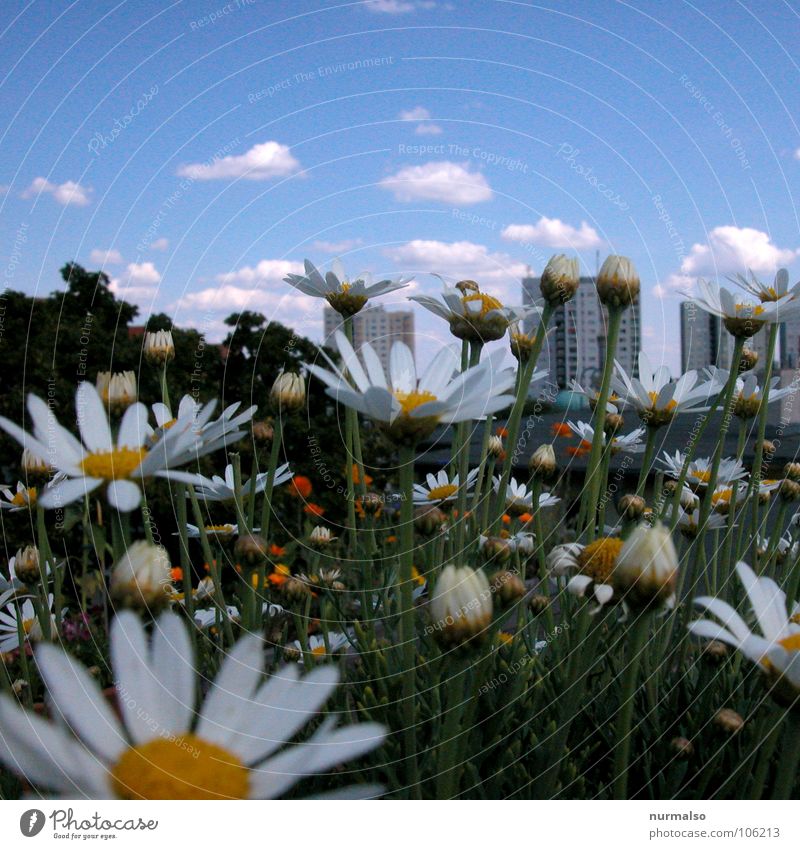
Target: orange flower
{"x": 391, "y": 538}
{"x": 313, "y": 509}
{"x": 416, "y": 577}
{"x": 502, "y": 432}
{"x": 279, "y": 574}
{"x": 561, "y": 429}
{"x": 357, "y": 477}
{"x": 579, "y": 450}
{"x": 526, "y": 517}
{"x": 277, "y": 550}
{"x": 300, "y": 487}
{"x": 176, "y": 573}
{"x": 506, "y": 519}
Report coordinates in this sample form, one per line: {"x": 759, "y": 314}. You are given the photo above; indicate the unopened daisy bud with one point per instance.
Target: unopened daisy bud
{"x": 560, "y": 279}
{"x": 34, "y": 466}
{"x": 631, "y": 507}
{"x": 288, "y": 393}
{"x": 26, "y": 565}
{"x": 467, "y": 287}
{"x": 251, "y": 550}
{"x": 538, "y": 604}
{"x": 764, "y": 497}
{"x": 613, "y": 424}
{"x": 715, "y": 652}
{"x": 321, "y": 537}
{"x": 428, "y": 520}
{"x": 729, "y": 720}
{"x": 507, "y": 587}
{"x": 792, "y": 471}
{"x": 618, "y": 282}
{"x": 18, "y": 686}
{"x": 329, "y": 577}
{"x": 495, "y": 448}
{"x": 159, "y": 347}
{"x": 647, "y": 567}
{"x": 768, "y": 448}
{"x": 371, "y": 503}
{"x": 542, "y": 464}
{"x": 682, "y": 747}
{"x": 495, "y": 549}
{"x": 117, "y": 389}
{"x": 141, "y": 579}
{"x": 263, "y": 432}
{"x": 296, "y": 589}
{"x": 461, "y": 606}
{"x": 748, "y": 360}
{"x": 789, "y": 490}
{"x": 291, "y": 654}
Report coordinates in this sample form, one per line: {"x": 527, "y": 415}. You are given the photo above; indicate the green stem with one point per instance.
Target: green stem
{"x": 790, "y": 756}
{"x": 647, "y": 460}
{"x": 266, "y": 504}
{"x": 456, "y": 699}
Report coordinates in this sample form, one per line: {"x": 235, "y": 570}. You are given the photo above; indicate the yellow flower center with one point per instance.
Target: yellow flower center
{"x": 180, "y": 768}
{"x": 409, "y": 401}
{"x": 23, "y": 497}
{"x": 702, "y": 475}
{"x": 113, "y": 465}
{"x": 219, "y": 529}
{"x": 440, "y": 493}
{"x": 670, "y": 406}
{"x": 319, "y": 650}
{"x": 487, "y": 302}
{"x": 598, "y": 558}
{"x": 27, "y": 624}
{"x": 723, "y": 495}
{"x": 750, "y": 309}
{"x": 344, "y": 287}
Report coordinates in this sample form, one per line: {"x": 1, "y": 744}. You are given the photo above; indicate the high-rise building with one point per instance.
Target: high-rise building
{"x": 706, "y": 342}
{"x": 790, "y": 344}
{"x": 576, "y": 342}
{"x": 380, "y": 327}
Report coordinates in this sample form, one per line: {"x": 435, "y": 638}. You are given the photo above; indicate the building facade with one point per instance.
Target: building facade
{"x": 380, "y": 327}
{"x": 576, "y": 342}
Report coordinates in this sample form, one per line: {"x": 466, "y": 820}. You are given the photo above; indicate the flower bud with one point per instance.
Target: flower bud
{"x": 618, "y": 282}
{"x": 495, "y": 448}
{"x": 251, "y": 550}
{"x": 542, "y": 464}
{"x": 495, "y": 549}
{"x": 428, "y": 520}
{"x": 792, "y": 471}
{"x": 768, "y": 448}
{"x": 263, "y": 432}
{"x": 159, "y": 347}
{"x": 461, "y": 606}
{"x": 296, "y": 589}
{"x": 715, "y": 652}
{"x": 117, "y": 389}
{"x": 321, "y": 537}
{"x": 560, "y": 279}
{"x": 26, "y": 565}
{"x": 646, "y": 570}
{"x": 631, "y": 507}
{"x": 371, "y": 503}
{"x": 613, "y": 424}
{"x": 538, "y": 604}
{"x": 288, "y": 393}
{"x": 789, "y": 490}
{"x": 682, "y": 747}
{"x": 507, "y": 587}
{"x": 748, "y": 360}
{"x": 141, "y": 579}
{"x": 729, "y": 720}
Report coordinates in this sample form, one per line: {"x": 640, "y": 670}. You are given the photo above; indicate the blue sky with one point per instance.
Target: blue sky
{"x": 200, "y": 150}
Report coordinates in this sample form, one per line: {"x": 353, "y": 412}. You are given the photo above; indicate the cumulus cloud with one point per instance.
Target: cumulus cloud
{"x": 109, "y": 257}
{"x": 138, "y": 284}
{"x": 425, "y": 127}
{"x": 389, "y": 7}
{"x": 67, "y": 194}
{"x": 448, "y": 182}
{"x": 265, "y": 271}
{"x": 264, "y": 161}
{"x": 731, "y": 250}
{"x": 159, "y": 244}
{"x": 336, "y": 247}
{"x": 553, "y": 233}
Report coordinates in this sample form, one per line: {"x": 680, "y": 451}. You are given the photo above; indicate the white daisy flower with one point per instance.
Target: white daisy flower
{"x": 764, "y": 292}
{"x": 473, "y": 314}
{"x": 205, "y": 619}
{"x": 743, "y": 318}
{"x": 316, "y": 645}
{"x": 689, "y": 521}
{"x": 722, "y": 496}
{"x": 613, "y": 405}
{"x": 777, "y": 648}
{"x": 656, "y": 397}
{"x": 223, "y": 531}
{"x": 344, "y": 295}
{"x": 31, "y": 626}
{"x": 629, "y": 443}
{"x": 749, "y": 394}
{"x": 441, "y": 489}
{"x": 408, "y": 405}
{"x": 23, "y": 498}
{"x": 97, "y": 461}
{"x": 218, "y": 488}
{"x": 698, "y": 473}
{"x": 589, "y": 567}
{"x": 519, "y": 499}
{"x": 163, "y": 748}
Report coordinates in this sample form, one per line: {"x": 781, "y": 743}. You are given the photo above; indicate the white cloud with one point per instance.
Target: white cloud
{"x": 731, "y": 249}
{"x": 262, "y": 162}
{"x": 337, "y": 247}
{"x": 266, "y": 271}
{"x": 418, "y": 113}
{"x": 67, "y": 194}
{"x": 138, "y": 284}
{"x": 428, "y": 129}
{"x": 159, "y": 244}
{"x": 447, "y": 182}
{"x": 553, "y": 233}
{"x": 390, "y": 7}
{"x": 101, "y": 257}
{"x": 797, "y": 153}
